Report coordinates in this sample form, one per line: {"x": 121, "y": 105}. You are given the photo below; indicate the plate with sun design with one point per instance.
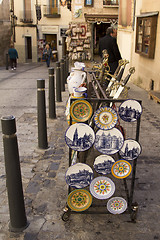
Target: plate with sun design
{"x": 79, "y": 200}
{"x": 102, "y": 187}
{"x": 121, "y": 169}
{"x": 105, "y": 118}
{"x": 81, "y": 110}
{"x": 117, "y": 205}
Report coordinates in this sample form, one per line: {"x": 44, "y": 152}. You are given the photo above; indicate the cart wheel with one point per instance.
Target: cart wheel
{"x": 66, "y": 214}
{"x": 134, "y": 212}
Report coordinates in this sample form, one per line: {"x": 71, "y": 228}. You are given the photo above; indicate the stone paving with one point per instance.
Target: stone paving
{"x": 45, "y": 189}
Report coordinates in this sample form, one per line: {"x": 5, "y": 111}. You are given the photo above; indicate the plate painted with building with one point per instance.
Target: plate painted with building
{"x": 103, "y": 164}
{"x": 131, "y": 149}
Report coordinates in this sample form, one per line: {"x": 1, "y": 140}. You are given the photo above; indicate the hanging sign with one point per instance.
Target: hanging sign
{"x": 63, "y": 2}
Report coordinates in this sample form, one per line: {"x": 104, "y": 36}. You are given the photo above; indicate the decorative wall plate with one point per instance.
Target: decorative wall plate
{"x": 80, "y": 137}
{"x": 103, "y": 164}
{"x": 131, "y": 149}
{"x": 102, "y": 187}
{"x": 81, "y": 110}
{"x": 105, "y": 118}
{"x": 79, "y": 200}
{"x": 109, "y": 142}
{"x": 121, "y": 169}
{"x": 79, "y": 175}
{"x": 117, "y": 205}
{"x": 130, "y": 110}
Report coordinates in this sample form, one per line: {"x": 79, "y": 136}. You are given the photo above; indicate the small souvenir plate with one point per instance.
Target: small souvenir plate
{"x": 130, "y": 110}
{"x": 102, "y": 187}
{"x": 103, "y": 164}
{"x": 79, "y": 175}
{"x": 117, "y": 205}
{"x": 105, "y": 118}
{"x": 131, "y": 150}
{"x": 81, "y": 110}
{"x": 121, "y": 169}
{"x": 80, "y": 137}
{"x": 109, "y": 142}
{"x": 79, "y": 200}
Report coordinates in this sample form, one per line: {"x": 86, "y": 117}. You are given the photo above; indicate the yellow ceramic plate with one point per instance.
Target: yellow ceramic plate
{"x": 81, "y": 110}
{"x": 79, "y": 200}
{"x": 121, "y": 169}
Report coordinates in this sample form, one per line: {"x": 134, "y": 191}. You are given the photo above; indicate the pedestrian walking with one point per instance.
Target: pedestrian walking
{"x": 47, "y": 53}
{"x": 13, "y": 55}
{"x": 109, "y": 43}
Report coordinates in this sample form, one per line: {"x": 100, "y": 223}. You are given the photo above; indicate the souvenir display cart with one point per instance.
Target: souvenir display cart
{"x": 103, "y": 151}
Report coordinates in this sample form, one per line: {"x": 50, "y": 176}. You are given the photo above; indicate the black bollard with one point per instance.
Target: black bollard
{"x": 6, "y": 61}
{"x": 65, "y": 75}
{"x": 52, "y": 107}
{"x": 62, "y": 75}
{"x": 58, "y": 83}
{"x": 18, "y": 220}
{"x": 41, "y": 115}
{"x": 67, "y": 65}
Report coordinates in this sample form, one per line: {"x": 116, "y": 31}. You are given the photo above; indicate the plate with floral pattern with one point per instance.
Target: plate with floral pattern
{"x": 121, "y": 169}
{"x": 131, "y": 150}
{"x": 130, "y": 110}
{"x": 79, "y": 200}
{"x": 102, "y": 187}
{"x": 105, "y": 118}
{"x": 117, "y": 205}
{"x": 103, "y": 164}
{"x": 81, "y": 110}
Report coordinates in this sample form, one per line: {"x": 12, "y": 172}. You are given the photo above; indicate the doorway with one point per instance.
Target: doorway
{"x": 28, "y": 48}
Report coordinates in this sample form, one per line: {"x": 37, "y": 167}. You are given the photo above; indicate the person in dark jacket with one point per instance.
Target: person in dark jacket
{"x": 13, "y": 55}
{"x": 110, "y": 44}
{"x": 47, "y": 53}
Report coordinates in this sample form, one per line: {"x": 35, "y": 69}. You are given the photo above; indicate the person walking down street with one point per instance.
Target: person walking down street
{"x": 109, "y": 43}
{"x": 47, "y": 53}
{"x": 13, "y": 55}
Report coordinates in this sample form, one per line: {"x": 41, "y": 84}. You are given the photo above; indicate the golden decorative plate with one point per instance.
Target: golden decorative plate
{"x": 121, "y": 169}
{"x": 81, "y": 110}
{"x": 79, "y": 200}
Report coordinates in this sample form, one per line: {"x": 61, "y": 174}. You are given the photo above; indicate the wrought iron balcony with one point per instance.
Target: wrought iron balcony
{"x": 51, "y": 11}
{"x": 111, "y": 2}
{"x": 26, "y": 16}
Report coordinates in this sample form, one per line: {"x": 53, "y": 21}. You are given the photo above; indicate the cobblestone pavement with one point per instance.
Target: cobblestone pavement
{"x": 45, "y": 189}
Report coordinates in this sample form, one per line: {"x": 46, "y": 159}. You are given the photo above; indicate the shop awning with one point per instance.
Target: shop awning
{"x": 148, "y": 14}
{"x": 92, "y": 18}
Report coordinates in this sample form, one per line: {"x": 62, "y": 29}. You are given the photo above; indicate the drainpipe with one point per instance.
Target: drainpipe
{"x": 134, "y": 10}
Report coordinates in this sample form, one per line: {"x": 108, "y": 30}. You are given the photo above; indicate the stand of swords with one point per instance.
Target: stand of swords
{"x": 114, "y": 84}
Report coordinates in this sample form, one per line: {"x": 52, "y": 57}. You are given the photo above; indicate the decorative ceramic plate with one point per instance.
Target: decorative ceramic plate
{"x": 79, "y": 175}
{"x": 102, "y": 187}
{"x": 80, "y": 137}
{"x": 109, "y": 142}
{"x": 131, "y": 149}
{"x": 130, "y": 110}
{"x": 81, "y": 110}
{"x": 79, "y": 200}
{"x": 117, "y": 205}
{"x": 121, "y": 169}
{"x": 105, "y": 118}
{"x": 103, "y": 164}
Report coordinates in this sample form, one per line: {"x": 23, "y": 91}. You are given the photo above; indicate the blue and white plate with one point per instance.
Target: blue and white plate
{"x": 80, "y": 137}
{"x": 79, "y": 175}
{"x": 109, "y": 142}
{"x": 131, "y": 150}
{"x": 103, "y": 164}
{"x": 102, "y": 187}
{"x": 105, "y": 118}
{"x": 130, "y": 110}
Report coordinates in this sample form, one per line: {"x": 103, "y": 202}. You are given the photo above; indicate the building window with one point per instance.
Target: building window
{"x": 146, "y": 34}
{"x": 110, "y": 2}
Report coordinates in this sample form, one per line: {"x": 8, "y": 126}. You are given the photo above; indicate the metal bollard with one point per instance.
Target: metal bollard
{"x": 67, "y": 65}
{"x": 52, "y": 107}
{"x": 62, "y": 75}
{"x": 65, "y": 75}
{"x": 18, "y": 220}
{"x": 58, "y": 83}
{"x": 6, "y": 61}
{"x": 41, "y": 114}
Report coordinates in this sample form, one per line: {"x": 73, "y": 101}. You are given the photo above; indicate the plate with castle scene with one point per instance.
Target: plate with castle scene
{"x": 103, "y": 164}
{"x": 131, "y": 150}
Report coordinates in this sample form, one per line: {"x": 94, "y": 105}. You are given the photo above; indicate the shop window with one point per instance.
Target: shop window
{"x": 146, "y": 34}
